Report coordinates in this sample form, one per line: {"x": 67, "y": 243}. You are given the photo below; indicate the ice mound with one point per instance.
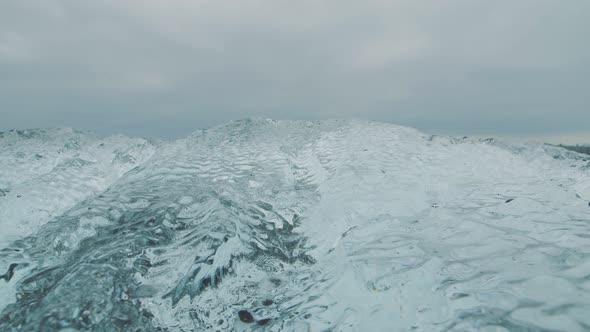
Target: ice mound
{"x": 307, "y": 226}
{"x": 43, "y": 172}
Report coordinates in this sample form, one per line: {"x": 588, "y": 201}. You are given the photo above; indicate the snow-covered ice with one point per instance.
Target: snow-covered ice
{"x": 292, "y": 226}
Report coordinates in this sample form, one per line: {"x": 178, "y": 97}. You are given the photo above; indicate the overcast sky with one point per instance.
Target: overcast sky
{"x": 166, "y": 68}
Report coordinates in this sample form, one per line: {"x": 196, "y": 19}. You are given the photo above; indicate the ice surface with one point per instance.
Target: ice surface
{"x": 295, "y": 226}
{"x": 45, "y": 172}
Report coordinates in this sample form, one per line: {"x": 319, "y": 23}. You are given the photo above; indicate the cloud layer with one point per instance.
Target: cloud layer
{"x": 166, "y": 68}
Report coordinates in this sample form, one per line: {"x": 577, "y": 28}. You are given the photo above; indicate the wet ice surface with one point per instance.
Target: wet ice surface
{"x": 45, "y": 172}
{"x": 297, "y": 226}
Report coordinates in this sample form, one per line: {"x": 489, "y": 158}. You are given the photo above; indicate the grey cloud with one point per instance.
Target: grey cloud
{"x": 167, "y": 68}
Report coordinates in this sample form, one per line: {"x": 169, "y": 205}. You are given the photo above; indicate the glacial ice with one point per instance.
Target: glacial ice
{"x": 292, "y": 226}
{"x": 45, "y": 172}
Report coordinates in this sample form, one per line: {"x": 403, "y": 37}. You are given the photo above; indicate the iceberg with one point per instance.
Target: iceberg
{"x": 292, "y": 226}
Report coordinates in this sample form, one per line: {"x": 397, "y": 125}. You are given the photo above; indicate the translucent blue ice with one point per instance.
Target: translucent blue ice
{"x": 305, "y": 226}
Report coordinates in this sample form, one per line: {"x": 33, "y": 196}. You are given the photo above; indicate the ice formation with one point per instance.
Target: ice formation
{"x": 292, "y": 226}
{"x": 45, "y": 172}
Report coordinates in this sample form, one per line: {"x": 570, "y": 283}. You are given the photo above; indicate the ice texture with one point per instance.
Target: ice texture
{"x": 298, "y": 226}
{"x": 43, "y": 172}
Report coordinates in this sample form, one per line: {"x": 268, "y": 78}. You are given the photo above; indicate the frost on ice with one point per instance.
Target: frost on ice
{"x": 292, "y": 226}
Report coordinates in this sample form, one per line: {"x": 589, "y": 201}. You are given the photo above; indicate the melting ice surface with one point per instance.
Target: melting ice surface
{"x": 296, "y": 226}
